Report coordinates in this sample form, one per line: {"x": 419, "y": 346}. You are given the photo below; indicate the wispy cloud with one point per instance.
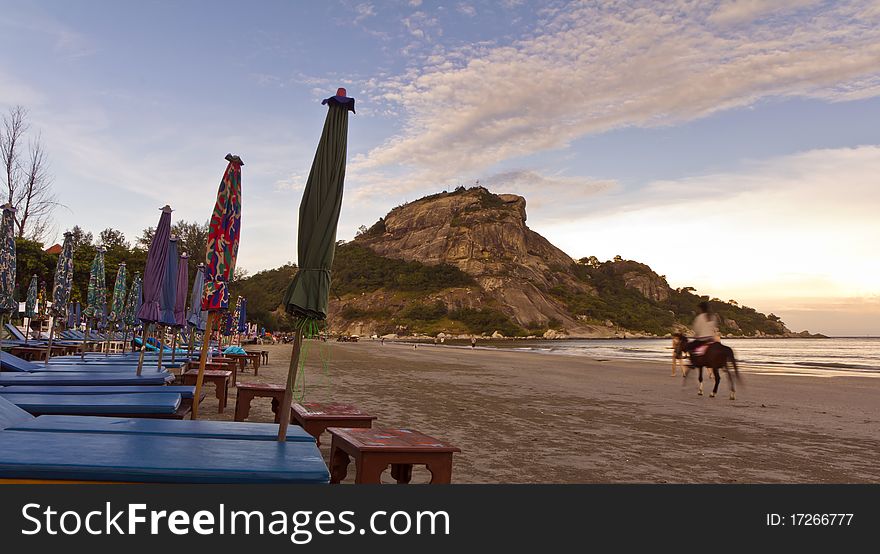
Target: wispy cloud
{"x": 591, "y": 68}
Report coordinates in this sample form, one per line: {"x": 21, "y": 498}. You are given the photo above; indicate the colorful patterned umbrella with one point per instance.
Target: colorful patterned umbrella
{"x": 222, "y": 250}
{"x": 117, "y": 306}
{"x": 63, "y": 277}
{"x": 42, "y": 302}
{"x": 74, "y": 315}
{"x": 8, "y": 305}
{"x": 133, "y": 301}
{"x": 196, "y": 316}
{"x": 308, "y": 294}
{"x": 242, "y": 315}
{"x": 97, "y": 291}
{"x": 182, "y": 281}
{"x": 30, "y": 305}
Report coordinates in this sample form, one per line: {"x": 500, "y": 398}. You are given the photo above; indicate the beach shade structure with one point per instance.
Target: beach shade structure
{"x": 168, "y": 298}
{"x": 96, "y": 296}
{"x": 74, "y": 314}
{"x": 196, "y": 317}
{"x": 242, "y": 316}
{"x": 154, "y": 276}
{"x": 132, "y": 304}
{"x": 117, "y": 304}
{"x": 308, "y": 294}
{"x": 61, "y": 288}
{"x": 224, "y": 231}
{"x": 180, "y": 300}
{"x": 30, "y": 306}
{"x": 8, "y": 305}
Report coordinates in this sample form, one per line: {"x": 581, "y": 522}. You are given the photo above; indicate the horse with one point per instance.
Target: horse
{"x": 715, "y": 357}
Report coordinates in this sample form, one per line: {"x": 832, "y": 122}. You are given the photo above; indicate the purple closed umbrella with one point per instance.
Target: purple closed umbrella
{"x": 168, "y": 299}
{"x": 180, "y": 300}
{"x": 154, "y": 276}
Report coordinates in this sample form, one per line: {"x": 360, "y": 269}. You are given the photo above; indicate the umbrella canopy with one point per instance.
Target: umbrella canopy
{"x": 134, "y": 300}
{"x": 242, "y": 316}
{"x": 74, "y": 312}
{"x": 97, "y": 291}
{"x": 223, "y": 236}
{"x": 117, "y": 306}
{"x": 196, "y": 316}
{"x": 182, "y": 281}
{"x": 154, "y": 272}
{"x": 308, "y": 293}
{"x": 227, "y": 323}
{"x": 63, "y": 277}
{"x": 30, "y": 304}
{"x": 168, "y": 298}
{"x": 42, "y": 302}
{"x": 8, "y": 304}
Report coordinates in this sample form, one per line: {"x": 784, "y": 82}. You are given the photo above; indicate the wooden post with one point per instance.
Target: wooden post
{"x": 174, "y": 344}
{"x": 143, "y": 348}
{"x": 160, "y": 338}
{"x": 192, "y": 341}
{"x": 291, "y": 382}
{"x": 86, "y": 337}
{"x": 27, "y": 329}
{"x": 203, "y": 358}
{"x": 49, "y": 346}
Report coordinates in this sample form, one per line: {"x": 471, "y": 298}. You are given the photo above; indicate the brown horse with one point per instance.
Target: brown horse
{"x": 715, "y": 357}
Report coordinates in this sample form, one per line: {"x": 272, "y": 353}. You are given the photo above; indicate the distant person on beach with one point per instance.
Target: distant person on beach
{"x": 705, "y": 327}
{"x": 473, "y": 342}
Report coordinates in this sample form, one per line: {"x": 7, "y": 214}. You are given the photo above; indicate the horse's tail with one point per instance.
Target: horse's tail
{"x": 732, "y": 359}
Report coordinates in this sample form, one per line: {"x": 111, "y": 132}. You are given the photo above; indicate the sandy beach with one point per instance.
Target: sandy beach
{"x": 542, "y": 418}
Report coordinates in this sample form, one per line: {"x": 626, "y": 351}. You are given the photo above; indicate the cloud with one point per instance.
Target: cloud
{"x": 364, "y": 11}
{"x": 589, "y": 68}
{"x": 739, "y": 11}
{"x": 466, "y": 9}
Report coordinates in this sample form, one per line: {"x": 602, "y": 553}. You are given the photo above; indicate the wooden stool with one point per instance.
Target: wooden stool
{"x": 316, "y": 417}
{"x": 265, "y": 354}
{"x": 374, "y": 449}
{"x": 220, "y": 378}
{"x": 248, "y": 391}
{"x": 255, "y": 359}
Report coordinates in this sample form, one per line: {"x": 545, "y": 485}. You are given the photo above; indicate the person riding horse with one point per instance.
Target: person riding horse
{"x": 713, "y": 355}
{"x": 705, "y": 328}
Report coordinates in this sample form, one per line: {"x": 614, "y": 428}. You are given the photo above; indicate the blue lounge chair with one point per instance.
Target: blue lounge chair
{"x": 150, "y": 404}
{"x": 85, "y": 378}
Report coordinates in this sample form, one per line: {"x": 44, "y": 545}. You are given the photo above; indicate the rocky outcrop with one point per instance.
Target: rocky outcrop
{"x": 485, "y": 235}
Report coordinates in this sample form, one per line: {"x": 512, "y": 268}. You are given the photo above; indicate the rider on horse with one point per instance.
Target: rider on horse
{"x": 705, "y": 329}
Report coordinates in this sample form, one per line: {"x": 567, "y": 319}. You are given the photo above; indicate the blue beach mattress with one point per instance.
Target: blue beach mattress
{"x": 185, "y": 392}
{"x": 156, "y": 459}
{"x": 139, "y": 403}
{"x": 86, "y": 378}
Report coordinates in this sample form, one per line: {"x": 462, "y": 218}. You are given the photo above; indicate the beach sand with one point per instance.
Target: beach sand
{"x": 523, "y": 417}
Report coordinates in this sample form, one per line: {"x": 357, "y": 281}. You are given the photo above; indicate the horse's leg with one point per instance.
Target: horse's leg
{"x": 717, "y": 381}
{"x": 732, "y": 379}
{"x": 700, "y": 391}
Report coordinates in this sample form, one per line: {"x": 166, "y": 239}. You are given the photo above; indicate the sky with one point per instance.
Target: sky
{"x": 733, "y": 146}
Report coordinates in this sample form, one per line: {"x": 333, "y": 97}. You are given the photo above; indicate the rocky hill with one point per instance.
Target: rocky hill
{"x": 465, "y": 262}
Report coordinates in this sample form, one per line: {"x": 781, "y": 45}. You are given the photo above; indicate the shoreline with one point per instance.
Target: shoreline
{"x": 567, "y": 419}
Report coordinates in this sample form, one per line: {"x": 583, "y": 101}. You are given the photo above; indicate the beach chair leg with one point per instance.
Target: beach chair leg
{"x": 339, "y": 461}
{"x": 402, "y": 473}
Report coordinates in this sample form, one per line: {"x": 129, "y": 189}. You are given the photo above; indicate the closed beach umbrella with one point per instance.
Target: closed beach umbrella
{"x": 196, "y": 316}
{"x": 74, "y": 313}
{"x": 168, "y": 298}
{"x": 154, "y": 277}
{"x": 242, "y": 316}
{"x": 30, "y": 305}
{"x": 180, "y": 300}
{"x": 222, "y": 250}
{"x": 308, "y": 294}
{"x": 133, "y": 302}
{"x": 43, "y": 302}
{"x": 61, "y": 287}
{"x": 117, "y": 304}
{"x": 8, "y": 305}
{"x": 97, "y": 293}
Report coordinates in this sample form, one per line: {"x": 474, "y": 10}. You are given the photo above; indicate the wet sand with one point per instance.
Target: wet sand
{"x": 524, "y": 417}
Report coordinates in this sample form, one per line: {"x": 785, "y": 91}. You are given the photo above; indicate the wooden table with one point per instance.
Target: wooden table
{"x": 249, "y": 391}
{"x": 220, "y": 378}
{"x": 374, "y": 449}
{"x": 29, "y": 353}
{"x": 255, "y": 359}
{"x": 316, "y": 417}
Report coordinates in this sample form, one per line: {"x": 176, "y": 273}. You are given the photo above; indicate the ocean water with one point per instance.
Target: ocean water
{"x": 825, "y": 357}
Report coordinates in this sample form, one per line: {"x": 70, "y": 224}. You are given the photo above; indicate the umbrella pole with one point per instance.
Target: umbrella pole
{"x": 203, "y": 358}
{"x": 124, "y": 336}
{"x": 27, "y": 329}
{"x": 291, "y": 381}
{"x": 86, "y": 337}
{"x": 174, "y": 345}
{"x": 143, "y": 348}
{"x": 192, "y": 341}
{"x": 160, "y": 338}
{"x": 49, "y": 346}
{"x": 107, "y": 344}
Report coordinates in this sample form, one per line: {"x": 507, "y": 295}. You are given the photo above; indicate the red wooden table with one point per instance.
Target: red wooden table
{"x": 220, "y": 378}
{"x": 316, "y": 417}
{"x": 248, "y": 391}
{"x": 374, "y": 449}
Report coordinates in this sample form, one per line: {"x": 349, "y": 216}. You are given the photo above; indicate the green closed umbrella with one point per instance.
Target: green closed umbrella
{"x": 97, "y": 294}
{"x": 117, "y": 304}
{"x": 8, "y": 305}
{"x": 308, "y": 294}
{"x": 30, "y": 306}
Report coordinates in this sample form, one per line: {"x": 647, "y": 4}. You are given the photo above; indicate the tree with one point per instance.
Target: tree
{"x": 80, "y": 238}
{"x": 618, "y": 258}
{"x": 27, "y": 178}
{"x": 113, "y": 239}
